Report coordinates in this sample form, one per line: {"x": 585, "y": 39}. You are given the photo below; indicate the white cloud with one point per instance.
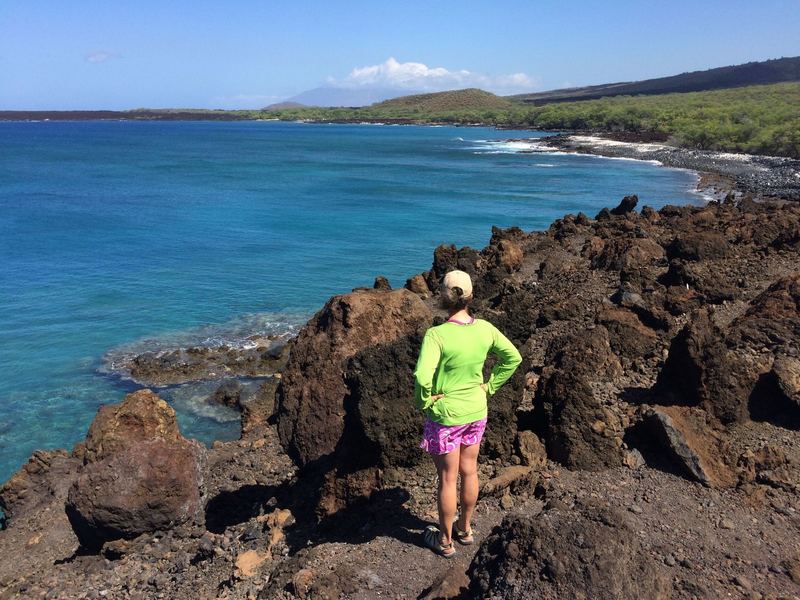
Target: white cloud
{"x": 419, "y": 76}
{"x": 100, "y": 56}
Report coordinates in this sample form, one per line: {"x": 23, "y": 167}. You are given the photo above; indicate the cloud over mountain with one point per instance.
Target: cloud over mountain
{"x": 419, "y": 76}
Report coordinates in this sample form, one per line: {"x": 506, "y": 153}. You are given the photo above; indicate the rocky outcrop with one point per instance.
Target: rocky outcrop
{"x": 588, "y": 552}
{"x": 259, "y": 357}
{"x": 141, "y": 474}
{"x": 580, "y": 430}
{"x": 729, "y": 371}
{"x": 311, "y": 396}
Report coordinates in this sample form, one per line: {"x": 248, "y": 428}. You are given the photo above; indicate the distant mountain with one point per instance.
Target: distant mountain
{"x": 470, "y": 98}
{"x": 282, "y": 105}
{"x": 332, "y": 96}
{"x": 753, "y": 73}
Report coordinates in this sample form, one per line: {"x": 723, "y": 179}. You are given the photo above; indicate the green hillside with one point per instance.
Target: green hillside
{"x": 468, "y": 99}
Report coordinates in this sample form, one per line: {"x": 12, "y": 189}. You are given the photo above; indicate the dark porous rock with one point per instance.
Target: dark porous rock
{"x": 773, "y": 318}
{"x": 565, "y": 310}
{"x": 229, "y": 393}
{"x": 686, "y": 438}
{"x": 713, "y": 286}
{"x": 588, "y": 552}
{"x": 728, "y": 371}
{"x": 698, "y": 245}
{"x": 679, "y": 300}
{"x": 380, "y": 380}
{"x": 776, "y": 397}
{"x": 418, "y": 285}
{"x": 586, "y": 352}
{"x": 142, "y": 415}
{"x": 262, "y": 356}
{"x": 701, "y": 370}
{"x": 628, "y": 204}
{"x": 579, "y": 430}
{"x": 498, "y": 440}
{"x": 312, "y": 394}
{"x": 149, "y": 486}
{"x": 603, "y": 215}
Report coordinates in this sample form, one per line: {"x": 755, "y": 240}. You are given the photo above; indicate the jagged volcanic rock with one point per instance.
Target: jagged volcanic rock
{"x": 587, "y": 552}
{"x": 312, "y": 393}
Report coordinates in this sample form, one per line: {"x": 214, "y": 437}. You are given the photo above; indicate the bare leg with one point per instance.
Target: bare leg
{"x": 447, "y": 466}
{"x": 468, "y": 467}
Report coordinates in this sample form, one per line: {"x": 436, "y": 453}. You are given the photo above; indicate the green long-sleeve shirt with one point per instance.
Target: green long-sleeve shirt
{"x": 451, "y": 363}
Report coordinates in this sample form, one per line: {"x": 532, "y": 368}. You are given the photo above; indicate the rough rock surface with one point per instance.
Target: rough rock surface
{"x": 152, "y": 485}
{"x": 589, "y": 551}
{"x": 312, "y": 392}
{"x": 579, "y": 431}
{"x": 142, "y": 415}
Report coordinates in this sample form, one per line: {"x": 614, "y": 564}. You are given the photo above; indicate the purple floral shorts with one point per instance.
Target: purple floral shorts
{"x": 441, "y": 439}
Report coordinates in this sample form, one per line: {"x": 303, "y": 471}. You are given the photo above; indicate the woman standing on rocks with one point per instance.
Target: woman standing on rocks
{"x": 450, "y": 390}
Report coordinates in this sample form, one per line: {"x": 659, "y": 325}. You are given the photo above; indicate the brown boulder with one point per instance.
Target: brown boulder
{"x": 531, "y": 450}
{"x": 142, "y": 415}
{"x": 312, "y": 393}
{"x": 587, "y": 552}
{"x": 151, "y": 485}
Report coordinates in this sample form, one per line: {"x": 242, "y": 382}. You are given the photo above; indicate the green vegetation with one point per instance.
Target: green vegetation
{"x": 762, "y": 119}
{"x": 468, "y": 99}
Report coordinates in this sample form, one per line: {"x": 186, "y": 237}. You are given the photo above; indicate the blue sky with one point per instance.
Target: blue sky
{"x": 80, "y": 54}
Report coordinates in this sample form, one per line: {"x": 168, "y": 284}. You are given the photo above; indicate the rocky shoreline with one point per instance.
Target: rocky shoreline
{"x": 649, "y": 445}
{"x": 721, "y": 172}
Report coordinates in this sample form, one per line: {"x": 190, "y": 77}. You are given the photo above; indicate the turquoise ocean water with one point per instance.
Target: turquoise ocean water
{"x": 119, "y": 235}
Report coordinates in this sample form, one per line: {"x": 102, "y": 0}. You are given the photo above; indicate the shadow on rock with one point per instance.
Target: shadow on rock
{"x": 384, "y": 514}
{"x": 233, "y": 507}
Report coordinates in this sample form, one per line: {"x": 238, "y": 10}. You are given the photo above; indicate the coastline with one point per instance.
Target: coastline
{"x": 719, "y": 172}
{"x": 600, "y": 303}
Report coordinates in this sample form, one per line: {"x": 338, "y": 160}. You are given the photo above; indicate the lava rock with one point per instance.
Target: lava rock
{"x": 142, "y": 415}
{"x": 590, "y": 551}
{"x": 152, "y": 485}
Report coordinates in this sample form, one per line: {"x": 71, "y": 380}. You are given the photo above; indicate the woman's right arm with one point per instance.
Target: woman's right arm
{"x": 429, "y": 354}
{"x": 510, "y": 359}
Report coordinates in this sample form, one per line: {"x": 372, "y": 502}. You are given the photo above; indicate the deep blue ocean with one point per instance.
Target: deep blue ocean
{"x": 121, "y": 235}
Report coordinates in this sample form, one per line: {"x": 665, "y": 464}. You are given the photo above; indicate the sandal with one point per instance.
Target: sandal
{"x": 462, "y": 537}
{"x": 433, "y": 540}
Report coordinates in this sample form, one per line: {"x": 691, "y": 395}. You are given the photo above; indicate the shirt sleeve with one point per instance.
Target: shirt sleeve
{"x": 509, "y": 359}
{"x": 429, "y": 354}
